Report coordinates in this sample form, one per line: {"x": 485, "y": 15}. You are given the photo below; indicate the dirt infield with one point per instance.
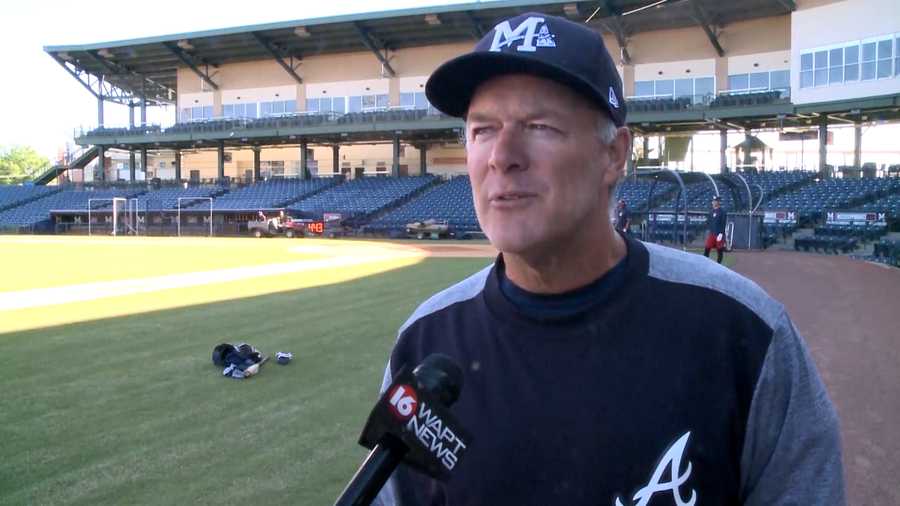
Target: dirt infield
{"x": 849, "y": 313}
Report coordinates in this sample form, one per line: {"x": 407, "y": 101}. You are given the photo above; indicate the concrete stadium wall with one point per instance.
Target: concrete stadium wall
{"x": 677, "y": 51}
{"x": 759, "y": 62}
{"x": 673, "y": 52}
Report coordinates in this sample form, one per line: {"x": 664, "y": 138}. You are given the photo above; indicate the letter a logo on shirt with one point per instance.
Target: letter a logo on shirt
{"x": 527, "y": 31}
{"x": 671, "y": 460}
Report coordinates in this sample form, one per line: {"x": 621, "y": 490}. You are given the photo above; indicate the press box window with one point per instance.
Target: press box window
{"x": 643, "y": 88}
{"x": 684, "y": 88}
{"x": 836, "y": 66}
{"x": 759, "y": 81}
{"x": 820, "y": 73}
{"x": 897, "y": 56}
{"x": 355, "y": 104}
{"x": 738, "y": 82}
{"x": 664, "y": 87}
{"x": 806, "y": 70}
{"x": 780, "y": 80}
{"x": 868, "y": 61}
{"x": 885, "y": 58}
{"x": 851, "y": 63}
{"x": 704, "y": 86}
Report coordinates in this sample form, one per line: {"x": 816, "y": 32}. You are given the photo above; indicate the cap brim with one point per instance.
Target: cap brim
{"x": 451, "y": 86}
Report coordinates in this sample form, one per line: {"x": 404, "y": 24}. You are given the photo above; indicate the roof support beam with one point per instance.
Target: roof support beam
{"x": 187, "y": 60}
{"x": 276, "y": 53}
{"x": 369, "y": 43}
{"x": 702, "y": 19}
{"x": 617, "y": 27}
{"x": 81, "y": 76}
{"x": 98, "y": 86}
{"x": 125, "y": 72}
{"x": 622, "y": 41}
{"x": 788, "y": 4}
{"x": 841, "y": 119}
{"x": 478, "y": 30}
{"x": 116, "y": 71}
{"x": 117, "y": 82}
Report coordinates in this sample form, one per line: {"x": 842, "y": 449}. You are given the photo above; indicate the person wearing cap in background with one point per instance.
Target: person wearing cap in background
{"x": 599, "y": 369}
{"x": 623, "y": 218}
{"x": 716, "y": 219}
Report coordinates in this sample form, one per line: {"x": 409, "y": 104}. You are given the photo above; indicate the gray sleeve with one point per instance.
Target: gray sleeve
{"x": 792, "y": 448}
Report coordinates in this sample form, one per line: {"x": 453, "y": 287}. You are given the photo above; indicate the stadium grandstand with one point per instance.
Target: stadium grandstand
{"x": 328, "y": 116}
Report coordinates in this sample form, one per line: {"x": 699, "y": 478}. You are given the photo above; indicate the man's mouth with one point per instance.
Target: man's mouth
{"x": 511, "y": 196}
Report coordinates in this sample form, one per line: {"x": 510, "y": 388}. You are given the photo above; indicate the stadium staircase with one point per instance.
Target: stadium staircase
{"x": 80, "y": 160}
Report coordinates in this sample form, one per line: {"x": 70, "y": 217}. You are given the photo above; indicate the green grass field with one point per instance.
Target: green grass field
{"x": 113, "y": 399}
{"x": 130, "y": 409}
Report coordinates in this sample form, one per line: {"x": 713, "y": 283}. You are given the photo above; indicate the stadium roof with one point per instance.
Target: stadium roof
{"x": 152, "y": 62}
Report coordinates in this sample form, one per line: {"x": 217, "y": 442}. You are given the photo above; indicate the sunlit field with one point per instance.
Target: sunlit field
{"x": 109, "y": 394}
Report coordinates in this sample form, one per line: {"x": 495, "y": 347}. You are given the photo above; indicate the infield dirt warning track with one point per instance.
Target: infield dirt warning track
{"x": 849, "y": 313}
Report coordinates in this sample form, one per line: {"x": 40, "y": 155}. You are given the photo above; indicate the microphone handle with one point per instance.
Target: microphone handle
{"x": 373, "y": 473}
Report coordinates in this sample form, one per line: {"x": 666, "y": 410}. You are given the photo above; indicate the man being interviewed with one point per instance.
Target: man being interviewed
{"x": 599, "y": 369}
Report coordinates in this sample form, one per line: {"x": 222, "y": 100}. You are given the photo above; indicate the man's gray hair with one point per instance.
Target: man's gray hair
{"x": 606, "y": 129}
{"x": 606, "y": 132}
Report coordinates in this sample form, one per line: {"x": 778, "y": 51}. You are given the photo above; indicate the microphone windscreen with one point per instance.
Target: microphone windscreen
{"x": 441, "y": 376}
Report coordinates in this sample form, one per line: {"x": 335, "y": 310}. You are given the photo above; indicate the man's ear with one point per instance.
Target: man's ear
{"x": 619, "y": 151}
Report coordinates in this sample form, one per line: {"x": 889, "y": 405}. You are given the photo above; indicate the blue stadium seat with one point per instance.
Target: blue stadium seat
{"x": 812, "y": 200}
{"x": 450, "y": 202}
{"x": 271, "y": 194}
{"x": 37, "y": 212}
{"x": 357, "y": 199}
{"x": 13, "y": 196}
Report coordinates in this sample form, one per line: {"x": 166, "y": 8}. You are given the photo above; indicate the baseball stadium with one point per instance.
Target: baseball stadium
{"x": 303, "y": 196}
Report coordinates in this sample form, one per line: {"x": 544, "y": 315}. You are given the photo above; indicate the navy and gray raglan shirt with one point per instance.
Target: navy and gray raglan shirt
{"x": 669, "y": 381}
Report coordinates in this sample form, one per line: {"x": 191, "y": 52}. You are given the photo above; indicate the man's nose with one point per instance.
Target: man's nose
{"x": 509, "y": 151}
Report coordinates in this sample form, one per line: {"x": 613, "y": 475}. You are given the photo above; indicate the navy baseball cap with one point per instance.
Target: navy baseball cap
{"x": 536, "y": 44}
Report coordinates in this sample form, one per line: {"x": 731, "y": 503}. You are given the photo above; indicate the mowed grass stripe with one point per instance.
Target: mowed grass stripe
{"x": 369, "y": 259}
{"x": 130, "y": 410}
{"x": 39, "y": 261}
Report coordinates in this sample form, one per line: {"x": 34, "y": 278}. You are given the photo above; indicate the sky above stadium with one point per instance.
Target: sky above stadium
{"x": 41, "y": 105}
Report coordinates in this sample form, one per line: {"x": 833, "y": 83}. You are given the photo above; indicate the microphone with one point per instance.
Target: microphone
{"x": 411, "y": 423}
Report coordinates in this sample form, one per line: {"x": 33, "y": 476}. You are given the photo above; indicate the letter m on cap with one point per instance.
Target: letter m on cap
{"x": 504, "y": 35}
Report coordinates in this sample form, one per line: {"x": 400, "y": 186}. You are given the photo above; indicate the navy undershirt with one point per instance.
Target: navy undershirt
{"x": 563, "y": 305}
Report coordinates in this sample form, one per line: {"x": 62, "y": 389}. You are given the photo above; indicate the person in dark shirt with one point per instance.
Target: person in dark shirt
{"x": 623, "y": 218}
{"x": 716, "y": 220}
{"x": 599, "y": 370}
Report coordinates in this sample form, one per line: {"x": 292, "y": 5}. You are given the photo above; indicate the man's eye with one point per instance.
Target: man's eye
{"x": 540, "y": 127}
{"x": 480, "y": 131}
